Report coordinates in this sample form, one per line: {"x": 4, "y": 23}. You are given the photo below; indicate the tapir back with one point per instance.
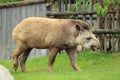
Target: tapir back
{"x": 44, "y": 32}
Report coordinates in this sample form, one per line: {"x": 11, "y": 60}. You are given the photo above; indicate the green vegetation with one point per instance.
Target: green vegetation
{"x": 106, "y": 5}
{"x": 101, "y": 7}
{"x": 94, "y": 65}
{"x": 7, "y": 1}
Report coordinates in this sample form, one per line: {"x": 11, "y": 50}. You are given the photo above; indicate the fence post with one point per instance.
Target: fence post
{"x": 118, "y": 26}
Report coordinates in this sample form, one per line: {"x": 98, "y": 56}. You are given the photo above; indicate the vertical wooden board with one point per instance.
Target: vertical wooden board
{"x": 68, "y": 6}
{"x": 44, "y": 52}
{"x": 84, "y": 18}
{"x": 76, "y": 5}
{"x": 62, "y": 6}
{"x": 0, "y": 34}
{"x": 98, "y": 22}
{"x": 112, "y": 43}
{"x": 95, "y": 21}
{"x": 13, "y": 24}
{"x": 33, "y": 10}
{"x": 9, "y": 32}
{"x": 91, "y": 20}
{"x": 37, "y": 10}
{"x": 18, "y": 14}
{"x": 28, "y": 10}
{"x": 38, "y": 52}
{"x": 84, "y": 5}
{"x": 105, "y": 43}
{"x": 42, "y": 10}
{"x": 11, "y": 29}
{"x": 4, "y": 33}
{"x": 23, "y": 12}
{"x": 90, "y": 6}
{"x": 0, "y": 20}
{"x": 113, "y": 38}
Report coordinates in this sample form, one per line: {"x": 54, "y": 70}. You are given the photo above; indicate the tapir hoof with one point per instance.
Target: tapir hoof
{"x": 50, "y": 69}
{"x": 23, "y": 69}
{"x": 15, "y": 66}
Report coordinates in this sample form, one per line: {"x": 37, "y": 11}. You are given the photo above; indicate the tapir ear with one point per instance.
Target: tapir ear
{"x": 78, "y": 27}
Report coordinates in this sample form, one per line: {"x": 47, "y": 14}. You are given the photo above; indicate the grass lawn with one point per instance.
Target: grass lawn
{"x": 94, "y": 65}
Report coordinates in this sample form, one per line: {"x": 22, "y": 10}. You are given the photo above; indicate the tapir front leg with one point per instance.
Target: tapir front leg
{"x": 52, "y": 56}
{"x": 72, "y": 56}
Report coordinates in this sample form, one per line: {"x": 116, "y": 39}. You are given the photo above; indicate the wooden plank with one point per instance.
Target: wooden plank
{"x": 9, "y": 18}
{"x": 91, "y": 6}
{"x": 23, "y": 12}
{"x": 84, "y": 5}
{"x": 74, "y": 13}
{"x": 37, "y": 10}
{"x": 1, "y": 34}
{"x": 105, "y": 43}
{"x": 91, "y": 20}
{"x": 113, "y": 27}
{"x": 70, "y": 13}
{"x": 68, "y": 7}
{"x": 62, "y": 6}
{"x": 18, "y": 14}
{"x": 13, "y": 24}
{"x": 42, "y": 10}
{"x": 9, "y": 32}
{"x": 106, "y": 31}
{"x": 28, "y": 11}
{"x": 84, "y": 18}
{"x": 76, "y": 5}
{"x": 4, "y": 33}
{"x": 33, "y": 10}
{"x": 22, "y": 3}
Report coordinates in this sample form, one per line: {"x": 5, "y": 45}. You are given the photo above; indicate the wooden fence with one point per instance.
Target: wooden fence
{"x": 12, "y": 14}
{"x": 107, "y": 28}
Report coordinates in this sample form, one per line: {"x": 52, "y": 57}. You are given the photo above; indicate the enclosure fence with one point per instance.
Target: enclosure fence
{"x": 106, "y": 27}
{"x": 10, "y": 15}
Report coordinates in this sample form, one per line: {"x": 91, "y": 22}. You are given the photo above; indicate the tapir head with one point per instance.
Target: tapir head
{"x": 85, "y": 37}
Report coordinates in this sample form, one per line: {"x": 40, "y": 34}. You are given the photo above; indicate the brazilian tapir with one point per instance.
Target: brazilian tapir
{"x": 52, "y": 34}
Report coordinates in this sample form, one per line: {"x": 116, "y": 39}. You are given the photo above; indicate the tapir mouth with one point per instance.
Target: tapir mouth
{"x": 94, "y": 48}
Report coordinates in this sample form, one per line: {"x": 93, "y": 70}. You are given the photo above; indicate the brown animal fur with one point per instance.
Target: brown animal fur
{"x": 52, "y": 34}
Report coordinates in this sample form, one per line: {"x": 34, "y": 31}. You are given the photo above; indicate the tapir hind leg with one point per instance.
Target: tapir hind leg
{"x": 21, "y": 48}
{"x": 23, "y": 57}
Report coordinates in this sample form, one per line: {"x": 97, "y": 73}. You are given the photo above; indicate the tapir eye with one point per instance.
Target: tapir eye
{"x": 89, "y": 38}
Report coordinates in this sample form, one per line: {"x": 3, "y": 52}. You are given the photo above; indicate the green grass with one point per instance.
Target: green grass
{"x": 94, "y": 65}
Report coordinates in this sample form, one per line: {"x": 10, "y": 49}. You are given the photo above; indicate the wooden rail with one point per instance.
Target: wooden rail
{"x": 74, "y": 13}
{"x": 106, "y": 31}
{"x": 21, "y": 3}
